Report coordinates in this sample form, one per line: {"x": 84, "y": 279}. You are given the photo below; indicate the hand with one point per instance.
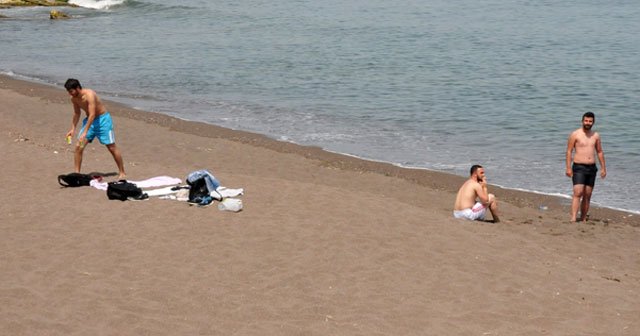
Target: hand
{"x": 82, "y": 140}
{"x": 603, "y": 173}
{"x": 569, "y": 172}
{"x": 70, "y": 133}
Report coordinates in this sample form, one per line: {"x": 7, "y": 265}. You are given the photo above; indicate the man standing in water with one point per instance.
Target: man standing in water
{"x": 586, "y": 144}
{"x": 473, "y": 198}
{"x": 97, "y": 123}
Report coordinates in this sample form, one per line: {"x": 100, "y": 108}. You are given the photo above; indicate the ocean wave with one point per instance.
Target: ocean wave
{"x": 28, "y": 78}
{"x": 97, "y": 4}
{"x": 108, "y": 4}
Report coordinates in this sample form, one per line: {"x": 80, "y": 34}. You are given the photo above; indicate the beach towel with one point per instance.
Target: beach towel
{"x": 158, "y": 181}
{"x": 227, "y": 192}
{"x": 165, "y": 191}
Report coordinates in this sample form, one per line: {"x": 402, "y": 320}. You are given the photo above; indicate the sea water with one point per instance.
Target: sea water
{"x": 430, "y": 84}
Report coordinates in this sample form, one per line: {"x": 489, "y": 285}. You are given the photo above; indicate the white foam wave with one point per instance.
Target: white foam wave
{"x": 97, "y": 4}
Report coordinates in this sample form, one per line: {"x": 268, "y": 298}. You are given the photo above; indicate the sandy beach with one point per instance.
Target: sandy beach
{"x": 326, "y": 244}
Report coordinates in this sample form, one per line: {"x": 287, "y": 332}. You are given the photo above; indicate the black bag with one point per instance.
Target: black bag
{"x": 197, "y": 190}
{"x": 74, "y": 180}
{"x": 123, "y": 190}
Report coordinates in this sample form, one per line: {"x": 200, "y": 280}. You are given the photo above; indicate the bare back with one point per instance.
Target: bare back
{"x": 467, "y": 195}
{"x": 88, "y": 100}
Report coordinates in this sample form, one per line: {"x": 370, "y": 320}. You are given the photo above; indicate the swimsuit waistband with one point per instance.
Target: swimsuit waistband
{"x": 585, "y": 164}
{"x": 106, "y": 113}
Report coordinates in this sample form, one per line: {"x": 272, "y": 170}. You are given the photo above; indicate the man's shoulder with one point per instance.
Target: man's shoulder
{"x": 470, "y": 184}
{"x": 592, "y": 134}
{"x": 576, "y": 132}
{"x": 88, "y": 92}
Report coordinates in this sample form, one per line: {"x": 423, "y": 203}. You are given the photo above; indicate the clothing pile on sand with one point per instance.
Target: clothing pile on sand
{"x": 202, "y": 189}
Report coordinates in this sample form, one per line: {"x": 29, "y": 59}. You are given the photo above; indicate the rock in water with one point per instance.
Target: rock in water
{"x": 56, "y": 14}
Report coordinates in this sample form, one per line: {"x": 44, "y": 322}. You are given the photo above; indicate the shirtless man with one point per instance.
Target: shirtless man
{"x": 96, "y": 124}
{"x": 586, "y": 144}
{"x": 473, "y": 199}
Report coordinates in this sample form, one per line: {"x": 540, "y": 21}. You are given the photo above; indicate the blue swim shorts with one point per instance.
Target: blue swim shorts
{"x": 101, "y": 127}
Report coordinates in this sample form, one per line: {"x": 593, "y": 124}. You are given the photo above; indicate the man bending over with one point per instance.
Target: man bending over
{"x": 97, "y": 123}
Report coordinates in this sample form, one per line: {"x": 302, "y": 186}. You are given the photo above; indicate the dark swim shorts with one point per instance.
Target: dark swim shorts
{"x": 584, "y": 174}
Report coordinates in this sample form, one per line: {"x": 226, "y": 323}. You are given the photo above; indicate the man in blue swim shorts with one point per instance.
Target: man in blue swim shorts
{"x": 473, "y": 199}
{"x": 97, "y": 123}
{"x": 586, "y": 144}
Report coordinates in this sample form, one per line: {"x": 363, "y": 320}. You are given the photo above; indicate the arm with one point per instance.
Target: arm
{"x": 482, "y": 192}
{"x": 91, "y": 114}
{"x": 570, "y": 145}
{"x": 603, "y": 165}
{"x": 74, "y": 120}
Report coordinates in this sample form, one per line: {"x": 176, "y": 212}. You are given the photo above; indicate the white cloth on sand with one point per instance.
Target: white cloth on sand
{"x": 162, "y": 191}
{"x": 226, "y": 192}
{"x": 157, "y": 181}
{"x": 180, "y": 195}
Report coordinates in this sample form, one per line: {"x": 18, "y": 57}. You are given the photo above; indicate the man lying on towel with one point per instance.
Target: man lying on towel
{"x": 473, "y": 199}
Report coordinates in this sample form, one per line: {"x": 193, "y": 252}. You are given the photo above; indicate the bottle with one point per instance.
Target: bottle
{"x": 230, "y": 204}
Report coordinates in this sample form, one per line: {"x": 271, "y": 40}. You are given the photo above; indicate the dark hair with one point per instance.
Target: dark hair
{"x": 589, "y": 115}
{"x": 474, "y": 168}
{"x": 72, "y": 83}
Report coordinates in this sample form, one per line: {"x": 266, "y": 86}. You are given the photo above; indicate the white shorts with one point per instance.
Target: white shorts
{"x": 478, "y": 212}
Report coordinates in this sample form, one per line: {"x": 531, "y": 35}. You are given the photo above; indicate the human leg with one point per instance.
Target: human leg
{"x": 77, "y": 157}
{"x": 80, "y": 146}
{"x": 493, "y": 207}
{"x": 578, "y": 192}
{"x": 104, "y": 132}
{"x": 584, "y": 177}
{"x": 586, "y": 201}
{"x": 115, "y": 152}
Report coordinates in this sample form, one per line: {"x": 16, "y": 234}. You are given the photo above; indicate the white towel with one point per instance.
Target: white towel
{"x": 157, "y": 181}
{"x": 161, "y": 192}
{"x": 226, "y": 192}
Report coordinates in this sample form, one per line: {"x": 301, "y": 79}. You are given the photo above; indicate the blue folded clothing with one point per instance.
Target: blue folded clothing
{"x": 205, "y": 201}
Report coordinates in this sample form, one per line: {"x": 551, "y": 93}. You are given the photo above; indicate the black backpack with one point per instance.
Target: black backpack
{"x": 74, "y": 180}
{"x": 123, "y": 190}
{"x": 197, "y": 190}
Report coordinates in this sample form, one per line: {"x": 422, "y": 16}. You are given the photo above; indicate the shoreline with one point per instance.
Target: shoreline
{"x": 437, "y": 180}
{"x": 33, "y": 3}
{"x": 8, "y": 4}
{"x": 326, "y": 244}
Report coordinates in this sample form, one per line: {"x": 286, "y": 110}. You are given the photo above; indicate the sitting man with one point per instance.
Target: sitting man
{"x": 473, "y": 199}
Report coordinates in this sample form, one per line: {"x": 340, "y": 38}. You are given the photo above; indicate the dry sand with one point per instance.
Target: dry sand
{"x": 326, "y": 244}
